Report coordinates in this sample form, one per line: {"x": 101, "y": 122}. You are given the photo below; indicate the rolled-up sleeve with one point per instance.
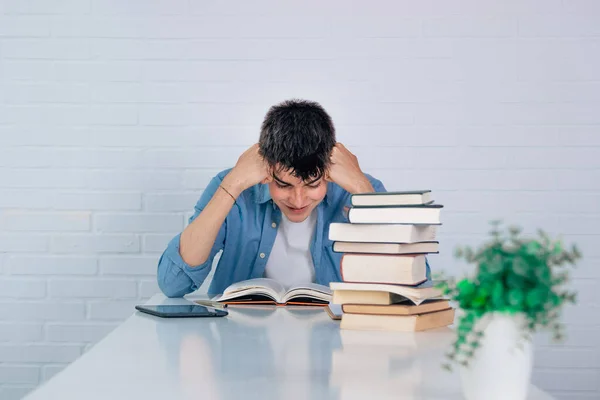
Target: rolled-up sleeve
{"x": 177, "y": 278}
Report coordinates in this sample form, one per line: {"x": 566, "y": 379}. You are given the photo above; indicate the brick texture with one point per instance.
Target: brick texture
{"x": 114, "y": 115}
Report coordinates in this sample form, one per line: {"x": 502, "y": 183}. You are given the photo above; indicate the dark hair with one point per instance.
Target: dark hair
{"x": 297, "y": 136}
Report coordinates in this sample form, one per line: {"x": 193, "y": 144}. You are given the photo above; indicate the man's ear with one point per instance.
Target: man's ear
{"x": 269, "y": 177}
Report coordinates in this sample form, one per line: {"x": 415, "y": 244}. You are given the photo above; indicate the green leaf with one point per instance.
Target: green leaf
{"x": 479, "y": 301}
{"x": 498, "y": 295}
{"x": 576, "y": 252}
{"x": 466, "y": 288}
{"x": 496, "y": 223}
{"x": 514, "y": 230}
{"x": 520, "y": 267}
{"x": 516, "y": 298}
{"x": 469, "y": 254}
{"x": 556, "y": 300}
{"x": 558, "y": 337}
{"x": 532, "y": 248}
{"x": 515, "y": 282}
{"x": 458, "y": 252}
{"x": 535, "y": 298}
{"x": 495, "y": 266}
{"x": 557, "y": 249}
{"x": 543, "y": 274}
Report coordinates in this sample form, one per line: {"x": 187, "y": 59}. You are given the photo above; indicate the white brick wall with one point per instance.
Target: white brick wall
{"x": 114, "y": 115}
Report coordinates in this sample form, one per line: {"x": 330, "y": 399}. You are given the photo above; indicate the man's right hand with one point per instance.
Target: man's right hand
{"x": 198, "y": 237}
{"x": 250, "y": 169}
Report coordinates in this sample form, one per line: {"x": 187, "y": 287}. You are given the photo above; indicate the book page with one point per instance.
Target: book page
{"x": 256, "y": 283}
{"x": 311, "y": 286}
{"x": 254, "y": 286}
{"x": 311, "y": 290}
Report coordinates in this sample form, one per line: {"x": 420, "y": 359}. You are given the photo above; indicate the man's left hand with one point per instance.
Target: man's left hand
{"x": 345, "y": 171}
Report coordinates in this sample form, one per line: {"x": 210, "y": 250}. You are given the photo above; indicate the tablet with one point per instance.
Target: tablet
{"x": 182, "y": 311}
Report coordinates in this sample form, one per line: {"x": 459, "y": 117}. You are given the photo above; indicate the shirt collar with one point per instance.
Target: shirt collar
{"x": 261, "y": 193}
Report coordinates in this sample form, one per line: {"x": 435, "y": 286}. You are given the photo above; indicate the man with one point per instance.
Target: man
{"x": 270, "y": 214}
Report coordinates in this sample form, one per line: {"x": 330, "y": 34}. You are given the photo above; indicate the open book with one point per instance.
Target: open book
{"x": 270, "y": 291}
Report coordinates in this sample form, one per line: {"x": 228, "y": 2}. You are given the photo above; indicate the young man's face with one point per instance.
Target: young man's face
{"x": 294, "y": 197}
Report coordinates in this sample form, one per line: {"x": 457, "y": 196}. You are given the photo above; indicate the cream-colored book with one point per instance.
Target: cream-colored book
{"x": 386, "y": 248}
{"x": 384, "y": 268}
{"x": 384, "y": 293}
{"x": 397, "y": 309}
{"x": 365, "y": 297}
{"x": 402, "y": 323}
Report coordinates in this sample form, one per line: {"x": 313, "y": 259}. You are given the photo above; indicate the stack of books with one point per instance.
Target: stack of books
{"x": 383, "y": 266}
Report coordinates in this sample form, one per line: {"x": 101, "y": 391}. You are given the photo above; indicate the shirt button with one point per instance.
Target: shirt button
{"x": 273, "y": 225}
{"x": 262, "y": 255}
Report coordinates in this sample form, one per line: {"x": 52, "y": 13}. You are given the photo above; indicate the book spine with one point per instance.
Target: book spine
{"x": 423, "y": 205}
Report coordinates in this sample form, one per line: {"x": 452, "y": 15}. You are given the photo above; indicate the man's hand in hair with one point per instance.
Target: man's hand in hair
{"x": 250, "y": 169}
{"x": 345, "y": 171}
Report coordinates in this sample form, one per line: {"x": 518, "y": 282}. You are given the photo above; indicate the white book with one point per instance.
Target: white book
{"x": 383, "y": 268}
{"x": 382, "y": 233}
{"x": 391, "y": 198}
{"x": 420, "y": 214}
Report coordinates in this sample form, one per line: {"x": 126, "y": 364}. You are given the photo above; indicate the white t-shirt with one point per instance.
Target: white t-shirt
{"x": 290, "y": 261}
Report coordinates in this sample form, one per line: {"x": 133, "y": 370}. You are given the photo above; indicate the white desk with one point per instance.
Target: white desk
{"x": 257, "y": 353}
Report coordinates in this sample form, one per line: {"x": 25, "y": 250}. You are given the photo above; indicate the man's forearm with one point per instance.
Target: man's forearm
{"x": 198, "y": 238}
{"x": 362, "y": 185}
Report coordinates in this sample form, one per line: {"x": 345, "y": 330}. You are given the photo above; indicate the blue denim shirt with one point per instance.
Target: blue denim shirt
{"x": 246, "y": 238}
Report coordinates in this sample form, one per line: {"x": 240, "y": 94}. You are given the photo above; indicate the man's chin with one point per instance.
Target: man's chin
{"x": 297, "y": 216}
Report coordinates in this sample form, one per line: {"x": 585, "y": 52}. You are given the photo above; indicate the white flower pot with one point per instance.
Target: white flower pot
{"x": 500, "y": 368}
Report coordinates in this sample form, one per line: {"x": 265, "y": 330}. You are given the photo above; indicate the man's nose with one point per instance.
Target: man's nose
{"x": 296, "y": 199}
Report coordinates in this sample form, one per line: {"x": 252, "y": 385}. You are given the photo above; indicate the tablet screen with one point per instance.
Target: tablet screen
{"x": 182, "y": 310}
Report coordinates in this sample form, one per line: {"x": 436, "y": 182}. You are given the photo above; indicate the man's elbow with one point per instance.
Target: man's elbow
{"x": 171, "y": 282}
{"x": 171, "y": 289}
{"x": 174, "y": 293}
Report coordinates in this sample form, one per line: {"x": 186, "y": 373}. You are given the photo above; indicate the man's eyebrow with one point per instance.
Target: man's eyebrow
{"x": 289, "y": 184}
{"x": 280, "y": 181}
{"x": 313, "y": 181}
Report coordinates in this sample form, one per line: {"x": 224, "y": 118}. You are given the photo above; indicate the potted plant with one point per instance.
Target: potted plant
{"x": 516, "y": 290}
